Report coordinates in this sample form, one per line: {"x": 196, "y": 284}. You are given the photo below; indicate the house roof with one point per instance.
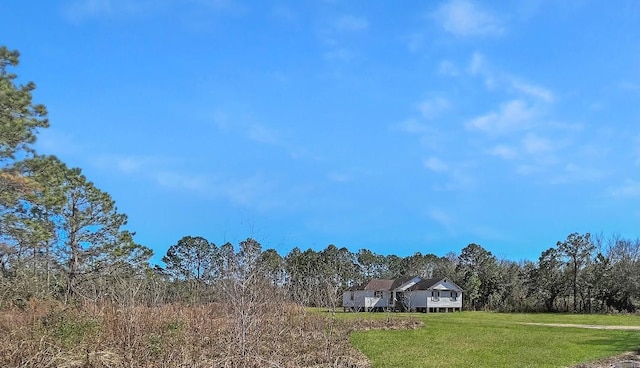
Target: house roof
{"x": 386, "y": 284}
{"x": 373, "y": 284}
{"x": 401, "y": 281}
{"x": 378, "y": 284}
{"x": 427, "y": 284}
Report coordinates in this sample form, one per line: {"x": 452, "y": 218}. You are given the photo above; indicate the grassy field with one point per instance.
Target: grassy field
{"x": 479, "y": 339}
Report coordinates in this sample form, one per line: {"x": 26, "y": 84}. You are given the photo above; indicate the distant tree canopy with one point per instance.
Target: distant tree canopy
{"x": 63, "y": 238}
{"x": 318, "y": 277}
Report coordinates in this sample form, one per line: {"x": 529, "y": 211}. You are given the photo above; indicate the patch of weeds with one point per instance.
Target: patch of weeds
{"x": 71, "y": 332}
{"x": 68, "y": 329}
{"x": 174, "y": 327}
{"x": 154, "y": 344}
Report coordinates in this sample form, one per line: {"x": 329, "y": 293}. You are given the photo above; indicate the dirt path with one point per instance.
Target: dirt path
{"x": 595, "y": 327}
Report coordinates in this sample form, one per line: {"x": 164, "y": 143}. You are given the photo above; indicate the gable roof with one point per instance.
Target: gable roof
{"x": 373, "y": 284}
{"x": 401, "y": 281}
{"x": 392, "y": 284}
{"x": 427, "y": 284}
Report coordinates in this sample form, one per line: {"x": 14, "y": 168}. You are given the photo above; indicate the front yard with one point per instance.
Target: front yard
{"x": 480, "y": 339}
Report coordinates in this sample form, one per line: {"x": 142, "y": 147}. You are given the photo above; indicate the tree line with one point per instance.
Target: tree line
{"x": 63, "y": 238}
{"x": 582, "y": 273}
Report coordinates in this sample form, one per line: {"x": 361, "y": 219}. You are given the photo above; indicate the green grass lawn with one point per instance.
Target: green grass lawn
{"x": 479, "y": 339}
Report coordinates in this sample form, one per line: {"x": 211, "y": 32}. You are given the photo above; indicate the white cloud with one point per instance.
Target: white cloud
{"x": 442, "y": 218}
{"x": 254, "y": 131}
{"x": 528, "y": 169}
{"x": 339, "y": 177}
{"x": 412, "y": 126}
{"x": 503, "y": 151}
{"x": 433, "y": 107}
{"x": 572, "y": 173}
{"x": 477, "y": 64}
{"x": 351, "y": 23}
{"x": 534, "y": 144}
{"x": 448, "y": 68}
{"x": 129, "y": 164}
{"x": 285, "y": 13}
{"x": 512, "y": 116}
{"x": 51, "y": 141}
{"x": 637, "y": 144}
{"x": 181, "y": 181}
{"x": 533, "y": 90}
{"x": 256, "y": 191}
{"x": 435, "y": 164}
{"x": 263, "y": 134}
{"x": 464, "y": 18}
{"x": 416, "y": 42}
{"x": 82, "y": 10}
{"x": 339, "y": 54}
{"x": 629, "y": 189}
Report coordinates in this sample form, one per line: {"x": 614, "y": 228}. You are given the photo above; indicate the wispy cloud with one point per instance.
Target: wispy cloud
{"x": 503, "y": 151}
{"x": 511, "y": 116}
{"x": 81, "y": 10}
{"x": 285, "y": 13}
{"x": 339, "y": 177}
{"x": 339, "y": 54}
{"x": 443, "y": 218}
{"x": 255, "y": 191}
{"x": 168, "y": 173}
{"x": 263, "y": 134}
{"x": 448, "y": 68}
{"x": 534, "y": 144}
{"x": 533, "y": 90}
{"x": 628, "y": 189}
{"x": 351, "y": 23}
{"x": 477, "y": 64}
{"x": 636, "y": 141}
{"x": 465, "y": 18}
{"x": 78, "y": 11}
{"x": 132, "y": 164}
{"x": 435, "y": 164}
{"x": 252, "y": 130}
{"x": 433, "y": 107}
{"x": 51, "y": 141}
{"x": 412, "y": 126}
{"x": 181, "y": 181}
{"x": 497, "y": 80}
{"x": 336, "y": 35}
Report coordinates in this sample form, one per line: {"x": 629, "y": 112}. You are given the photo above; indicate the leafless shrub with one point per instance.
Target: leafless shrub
{"x": 47, "y": 334}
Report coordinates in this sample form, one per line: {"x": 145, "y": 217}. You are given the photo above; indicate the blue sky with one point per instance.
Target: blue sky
{"x": 398, "y": 127}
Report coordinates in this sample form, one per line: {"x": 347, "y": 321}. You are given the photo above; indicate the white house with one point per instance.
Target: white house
{"x": 407, "y": 293}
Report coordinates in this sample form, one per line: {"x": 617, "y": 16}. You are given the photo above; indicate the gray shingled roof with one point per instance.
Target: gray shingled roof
{"x": 373, "y": 284}
{"x": 386, "y": 284}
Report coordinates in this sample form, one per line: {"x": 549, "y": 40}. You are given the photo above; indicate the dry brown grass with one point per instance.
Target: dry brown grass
{"x": 52, "y": 335}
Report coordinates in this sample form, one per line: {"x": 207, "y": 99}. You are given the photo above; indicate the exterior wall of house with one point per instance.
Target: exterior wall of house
{"x": 366, "y": 299}
{"x": 441, "y": 285}
{"x": 434, "y": 299}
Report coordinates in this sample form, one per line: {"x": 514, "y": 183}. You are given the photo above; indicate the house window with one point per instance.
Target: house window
{"x": 454, "y": 295}
{"x": 378, "y": 294}
{"x": 435, "y": 296}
